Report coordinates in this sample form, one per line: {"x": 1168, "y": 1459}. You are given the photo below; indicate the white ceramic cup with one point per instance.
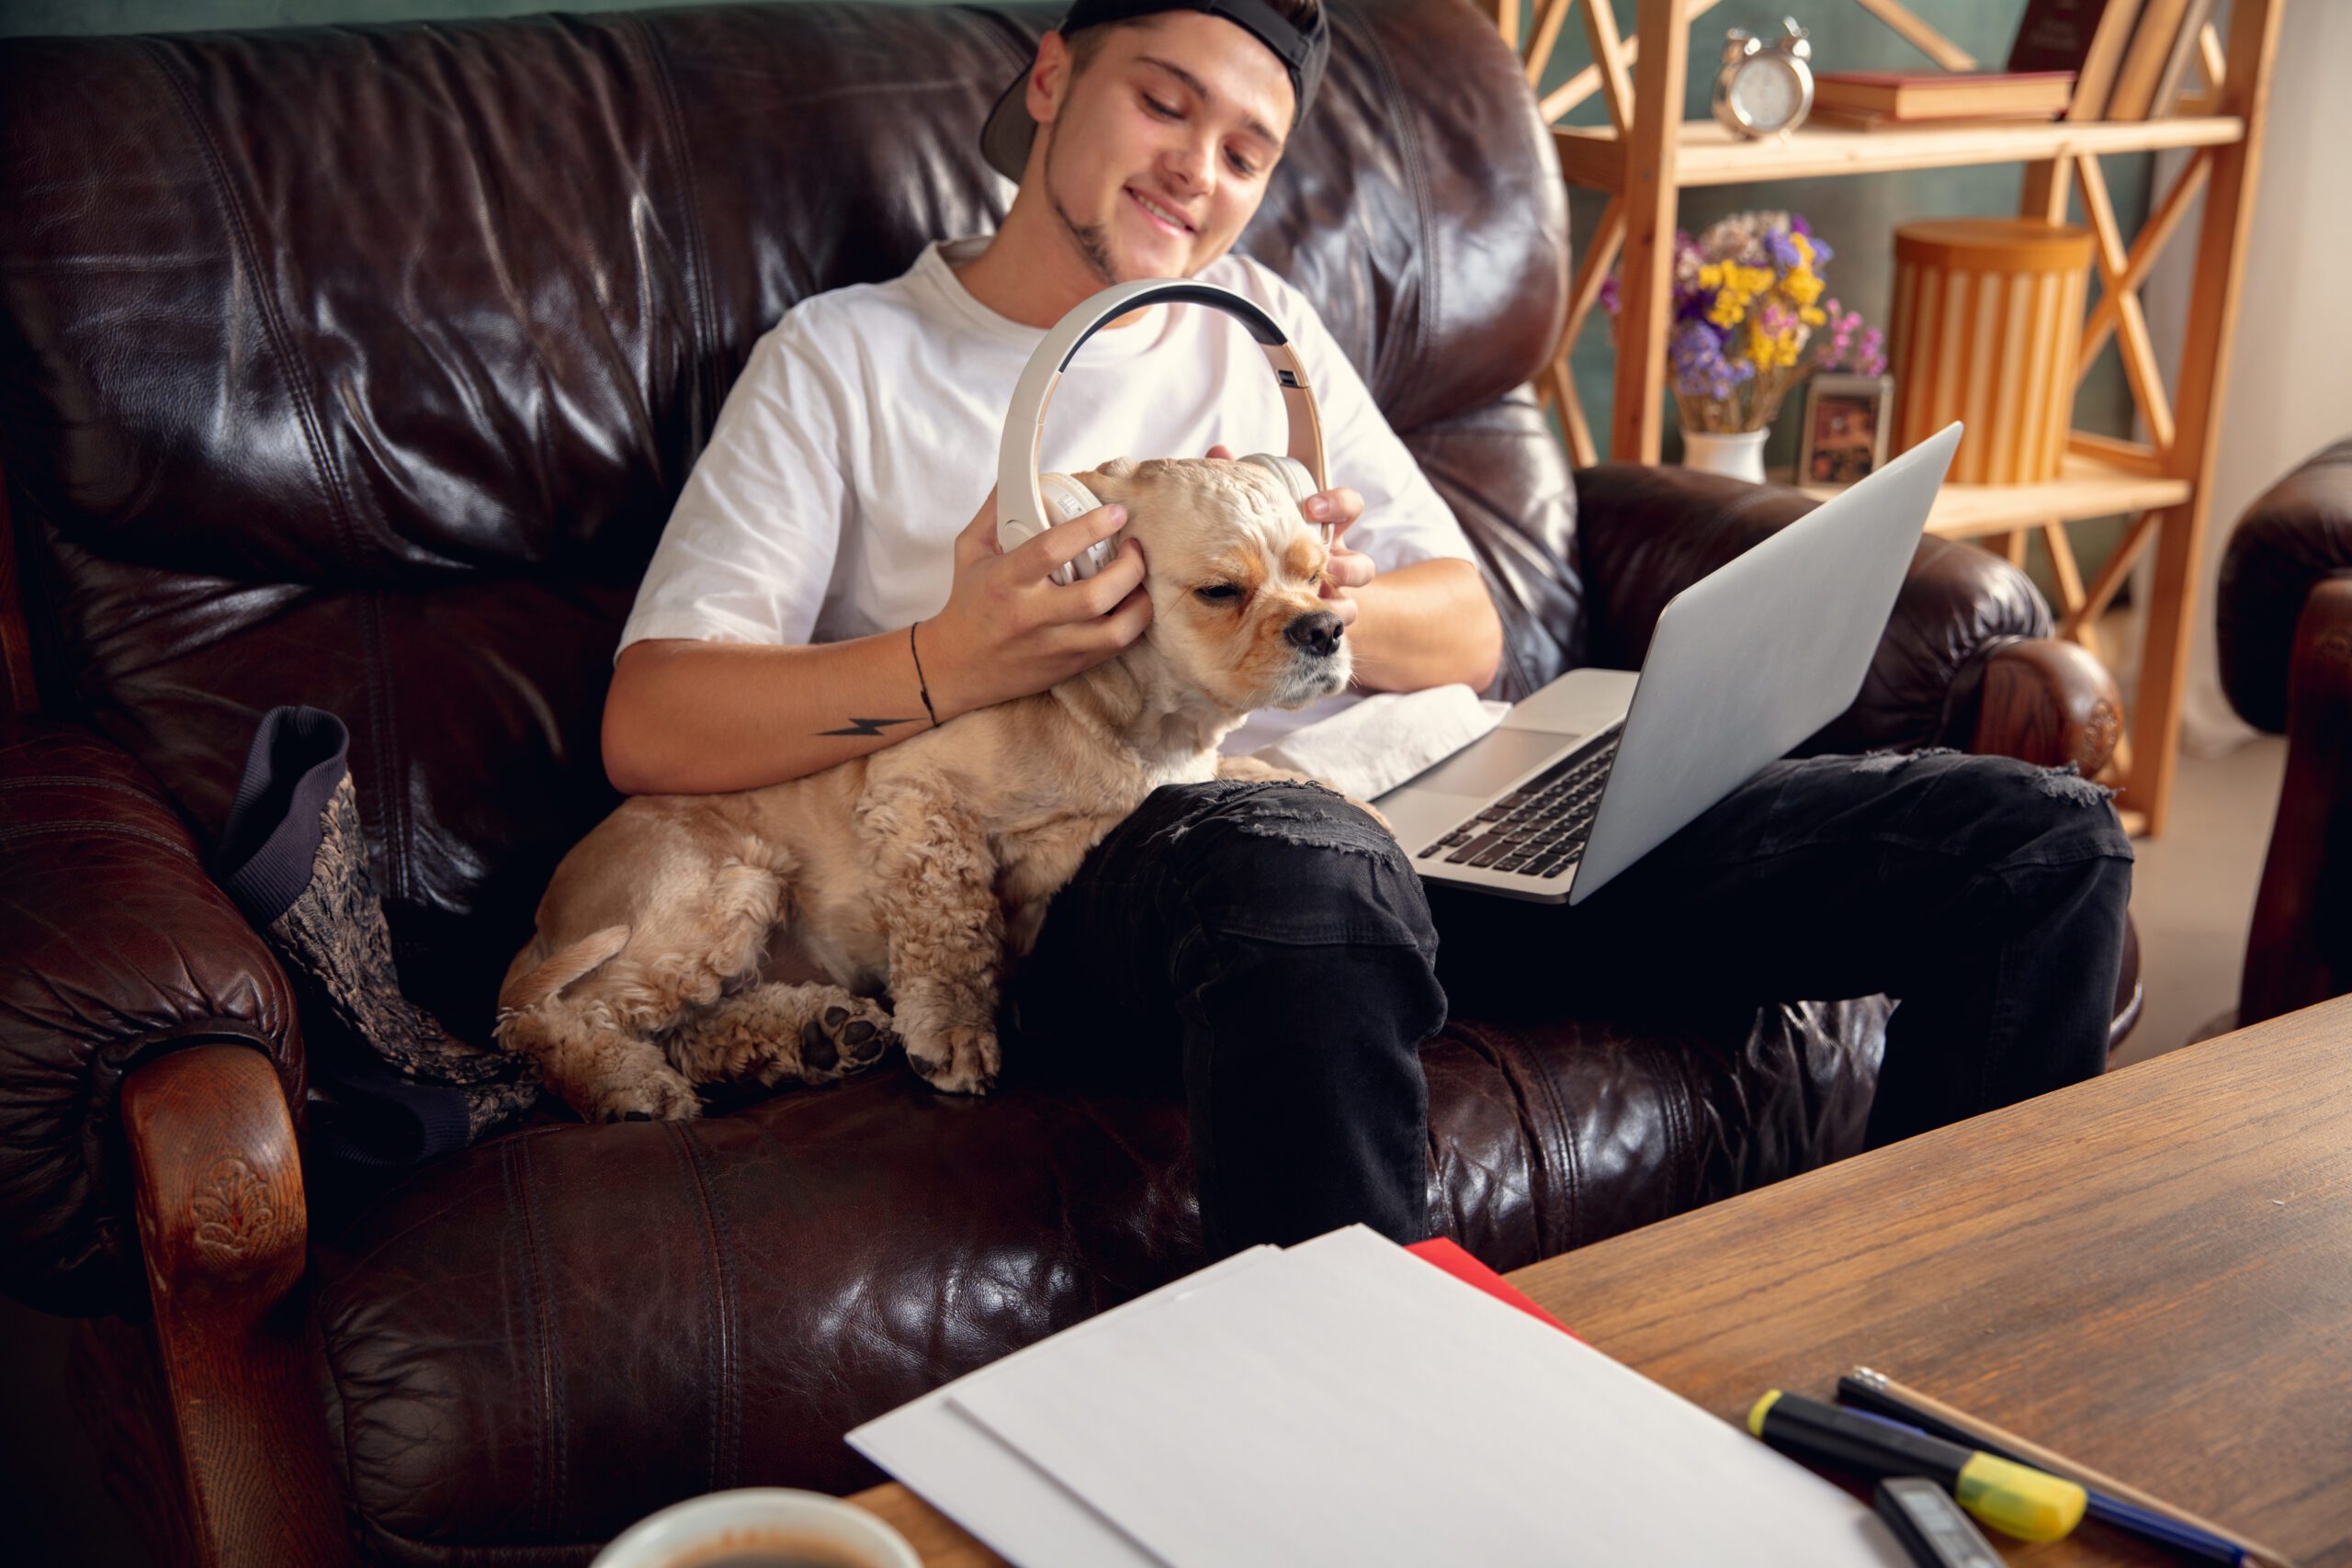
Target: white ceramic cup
{"x": 701, "y": 1529}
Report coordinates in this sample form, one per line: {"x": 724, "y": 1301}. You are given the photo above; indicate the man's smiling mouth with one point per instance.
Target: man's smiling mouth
{"x": 1157, "y": 212}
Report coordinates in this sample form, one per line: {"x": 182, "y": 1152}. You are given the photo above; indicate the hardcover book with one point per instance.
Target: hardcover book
{"x": 1943, "y": 94}
{"x": 2085, "y": 37}
{"x": 1855, "y": 119}
{"x": 2055, "y": 35}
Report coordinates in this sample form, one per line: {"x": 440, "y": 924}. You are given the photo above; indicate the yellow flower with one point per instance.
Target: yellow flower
{"x": 1736, "y": 289}
{"x": 1813, "y": 315}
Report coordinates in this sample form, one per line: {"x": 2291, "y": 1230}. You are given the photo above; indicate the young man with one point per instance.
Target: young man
{"x": 1269, "y": 943}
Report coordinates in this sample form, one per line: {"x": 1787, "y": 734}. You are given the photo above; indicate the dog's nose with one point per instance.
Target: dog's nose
{"x": 1317, "y": 631}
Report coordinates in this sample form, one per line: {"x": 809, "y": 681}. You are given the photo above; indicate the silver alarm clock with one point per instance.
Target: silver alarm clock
{"x": 1763, "y": 90}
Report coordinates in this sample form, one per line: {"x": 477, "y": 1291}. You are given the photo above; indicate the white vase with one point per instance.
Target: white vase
{"x": 1739, "y": 455}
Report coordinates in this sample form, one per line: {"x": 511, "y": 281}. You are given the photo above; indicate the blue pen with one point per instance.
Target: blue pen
{"x": 2201, "y": 1545}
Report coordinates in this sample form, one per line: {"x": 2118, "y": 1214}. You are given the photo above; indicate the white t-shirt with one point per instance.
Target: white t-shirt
{"x": 862, "y": 436}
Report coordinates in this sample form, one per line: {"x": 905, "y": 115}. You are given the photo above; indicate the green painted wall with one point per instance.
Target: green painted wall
{"x": 1855, "y": 215}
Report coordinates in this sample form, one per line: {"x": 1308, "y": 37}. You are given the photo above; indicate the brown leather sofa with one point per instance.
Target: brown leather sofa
{"x": 2284, "y": 611}
{"x": 356, "y": 367}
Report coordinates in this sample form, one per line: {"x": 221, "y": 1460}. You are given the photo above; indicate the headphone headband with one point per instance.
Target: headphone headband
{"x": 1021, "y": 507}
{"x": 1156, "y": 291}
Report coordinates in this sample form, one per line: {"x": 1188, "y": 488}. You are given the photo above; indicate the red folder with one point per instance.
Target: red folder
{"x": 1440, "y": 1253}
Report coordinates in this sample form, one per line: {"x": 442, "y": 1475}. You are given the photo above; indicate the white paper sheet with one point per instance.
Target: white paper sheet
{"x": 992, "y": 1490}
{"x": 1372, "y": 746}
{"x": 1347, "y": 1402}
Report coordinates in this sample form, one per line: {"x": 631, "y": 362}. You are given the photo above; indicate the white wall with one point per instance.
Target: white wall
{"x": 2290, "y": 388}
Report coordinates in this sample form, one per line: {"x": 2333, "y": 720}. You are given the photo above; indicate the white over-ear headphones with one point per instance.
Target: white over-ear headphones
{"x": 1028, "y": 502}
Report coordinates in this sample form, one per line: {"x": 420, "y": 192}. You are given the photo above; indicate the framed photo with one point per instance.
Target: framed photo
{"x": 1846, "y": 421}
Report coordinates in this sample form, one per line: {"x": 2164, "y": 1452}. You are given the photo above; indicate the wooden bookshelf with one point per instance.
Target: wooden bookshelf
{"x": 2083, "y": 487}
{"x": 1648, "y": 152}
{"x": 1707, "y": 154}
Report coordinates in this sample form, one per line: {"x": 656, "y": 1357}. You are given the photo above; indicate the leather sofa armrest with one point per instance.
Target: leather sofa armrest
{"x": 2297, "y": 535}
{"x": 2298, "y": 949}
{"x": 2039, "y": 700}
{"x": 116, "y": 948}
{"x": 224, "y": 1229}
{"x": 1966, "y": 660}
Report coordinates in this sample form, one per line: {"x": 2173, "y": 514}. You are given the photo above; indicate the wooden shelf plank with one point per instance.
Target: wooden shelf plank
{"x": 1710, "y": 154}
{"x": 2085, "y": 488}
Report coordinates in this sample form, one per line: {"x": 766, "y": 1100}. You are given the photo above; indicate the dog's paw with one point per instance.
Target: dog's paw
{"x": 960, "y": 1059}
{"x": 649, "y": 1095}
{"x": 1250, "y": 770}
{"x": 839, "y": 1040}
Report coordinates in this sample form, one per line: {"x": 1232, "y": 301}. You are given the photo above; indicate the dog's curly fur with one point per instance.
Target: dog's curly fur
{"x": 667, "y": 937}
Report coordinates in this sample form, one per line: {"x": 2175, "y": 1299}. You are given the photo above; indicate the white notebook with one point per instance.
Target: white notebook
{"x": 993, "y": 1491}
{"x": 1344, "y": 1402}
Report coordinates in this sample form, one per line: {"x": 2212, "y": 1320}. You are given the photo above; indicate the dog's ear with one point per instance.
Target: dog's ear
{"x": 1107, "y": 483}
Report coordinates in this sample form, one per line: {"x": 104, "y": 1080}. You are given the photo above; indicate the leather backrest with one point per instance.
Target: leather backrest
{"x": 358, "y": 367}
{"x": 2297, "y": 535}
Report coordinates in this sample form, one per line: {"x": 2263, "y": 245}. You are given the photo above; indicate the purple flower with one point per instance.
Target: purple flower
{"x": 1693, "y": 304}
{"x": 1871, "y": 359}
{"x": 1782, "y": 250}
{"x": 1609, "y": 295}
{"x": 1844, "y": 341}
{"x": 1694, "y": 353}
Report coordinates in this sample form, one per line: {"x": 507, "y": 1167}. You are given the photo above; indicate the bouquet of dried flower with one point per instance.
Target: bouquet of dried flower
{"x": 1747, "y": 308}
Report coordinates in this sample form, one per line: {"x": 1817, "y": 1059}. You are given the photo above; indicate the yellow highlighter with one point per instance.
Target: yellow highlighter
{"x": 2015, "y": 1499}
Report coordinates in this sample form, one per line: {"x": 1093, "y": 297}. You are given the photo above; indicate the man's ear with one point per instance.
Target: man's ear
{"x": 1048, "y": 78}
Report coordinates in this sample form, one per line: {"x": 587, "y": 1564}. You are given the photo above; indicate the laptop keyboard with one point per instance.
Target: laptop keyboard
{"x": 1540, "y": 827}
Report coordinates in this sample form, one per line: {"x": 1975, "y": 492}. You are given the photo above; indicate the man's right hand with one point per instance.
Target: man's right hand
{"x": 1007, "y": 631}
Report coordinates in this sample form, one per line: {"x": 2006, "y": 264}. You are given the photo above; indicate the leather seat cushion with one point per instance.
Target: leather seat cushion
{"x": 536, "y": 1342}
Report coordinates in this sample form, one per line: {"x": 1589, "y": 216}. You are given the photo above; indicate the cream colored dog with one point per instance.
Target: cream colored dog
{"x": 924, "y": 866}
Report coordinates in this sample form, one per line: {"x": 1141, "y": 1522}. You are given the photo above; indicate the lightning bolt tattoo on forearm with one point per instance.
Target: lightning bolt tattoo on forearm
{"x": 866, "y": 726}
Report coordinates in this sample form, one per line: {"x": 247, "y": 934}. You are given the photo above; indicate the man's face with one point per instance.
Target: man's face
{"x": 1155, "y": 156}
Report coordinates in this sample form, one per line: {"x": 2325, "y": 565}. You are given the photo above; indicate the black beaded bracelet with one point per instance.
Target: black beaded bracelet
{"x": 921, "y": 684}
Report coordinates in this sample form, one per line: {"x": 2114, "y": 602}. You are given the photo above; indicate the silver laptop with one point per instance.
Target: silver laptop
{"x": 1599, "y": 768}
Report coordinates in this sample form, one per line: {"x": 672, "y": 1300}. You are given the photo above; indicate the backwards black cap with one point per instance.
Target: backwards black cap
{"x": 1005, "y": 140}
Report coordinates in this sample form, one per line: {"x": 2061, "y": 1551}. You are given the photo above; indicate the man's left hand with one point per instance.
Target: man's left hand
{"x": 1346, "y": 570}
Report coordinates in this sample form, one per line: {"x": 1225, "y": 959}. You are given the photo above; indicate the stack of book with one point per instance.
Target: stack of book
{"x": 2082, "y": 59}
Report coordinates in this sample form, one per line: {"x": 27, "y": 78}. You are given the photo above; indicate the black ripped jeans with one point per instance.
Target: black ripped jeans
{"x": 1270, "y": 946}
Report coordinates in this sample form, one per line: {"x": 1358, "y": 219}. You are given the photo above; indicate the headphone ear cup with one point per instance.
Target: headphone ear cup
{"x": 1068, "y": 500}
{"x": 1290, "y": 470}
{"x": 1065, "y": 497}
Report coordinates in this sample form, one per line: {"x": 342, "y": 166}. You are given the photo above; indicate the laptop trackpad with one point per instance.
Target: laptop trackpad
{"x": 1494, "y": 759}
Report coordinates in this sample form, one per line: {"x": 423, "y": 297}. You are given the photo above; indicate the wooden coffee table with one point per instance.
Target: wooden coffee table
{"x": 2151, "y": 1273}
